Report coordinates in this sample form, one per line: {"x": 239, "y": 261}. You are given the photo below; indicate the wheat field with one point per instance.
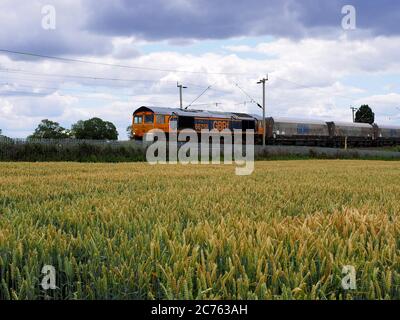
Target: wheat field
{"x": 135, "y": 231}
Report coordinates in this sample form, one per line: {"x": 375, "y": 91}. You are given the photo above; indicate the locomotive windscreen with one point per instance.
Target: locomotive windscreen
{"x": 185, "y": 122}
{"x": 248, "y": 124}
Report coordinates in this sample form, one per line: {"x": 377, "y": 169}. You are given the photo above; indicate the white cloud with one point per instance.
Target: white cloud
{"x": 385, "y": 106}
{"x": 306, "y": 80}
{"x": 240, "y": 48}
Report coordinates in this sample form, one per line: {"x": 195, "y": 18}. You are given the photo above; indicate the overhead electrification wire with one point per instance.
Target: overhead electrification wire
{"x": 314, "y": 88}
{"x": 198, "y": 97}
{"x": 10, "y": 92}
{"x": 58, "y": 90}
{"x": 63, "y": 89}
{"x": 243, "y": 103}
{"x": 207, "y": 104}
{"x": 10, "y": 70}
{"x": 61, "y": 82}
{"x": 46, "y": 94}
{"x": 250, "y": 97}
{"x": 63, "y": 59}
{"x": 71, "y": 60}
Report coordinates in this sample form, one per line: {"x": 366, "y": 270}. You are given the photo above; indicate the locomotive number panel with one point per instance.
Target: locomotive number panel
{"x": 220, "y": 124}
{"x": 200, "y": 124}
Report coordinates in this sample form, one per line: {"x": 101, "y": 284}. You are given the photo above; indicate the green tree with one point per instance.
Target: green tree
{"x": 48, "y": 129}
{"x": 94, "y": 129}
{"x": 4, "y": 138}
{"x": 365, "y": 115}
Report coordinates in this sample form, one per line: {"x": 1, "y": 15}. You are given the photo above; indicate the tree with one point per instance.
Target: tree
{"x": 50, "y": 130}
{"x": 365, "y": 115}
{"x": 4, "y": 138}
{"x": 94, "y": 129}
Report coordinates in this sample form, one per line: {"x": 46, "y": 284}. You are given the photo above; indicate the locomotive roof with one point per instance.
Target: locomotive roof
{"x": 196, "y": 113}
{"x": 389, "y": 126}
{"x": 352, "y": 124}
{"x": 245, "y": 116}
{"x": 302, "y": 121}
{"x": 323, "y": 122}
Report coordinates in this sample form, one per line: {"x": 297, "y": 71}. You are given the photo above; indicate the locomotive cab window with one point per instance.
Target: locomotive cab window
{"x": 160, "y": 119}
{"x": 148, "y": 118}
{"x": 138, "y": 119}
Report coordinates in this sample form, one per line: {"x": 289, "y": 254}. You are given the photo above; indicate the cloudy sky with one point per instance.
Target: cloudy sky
{"x": 318, "y": 64}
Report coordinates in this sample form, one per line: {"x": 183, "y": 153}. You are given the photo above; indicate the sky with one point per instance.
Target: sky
{"x": 321, "y": 58}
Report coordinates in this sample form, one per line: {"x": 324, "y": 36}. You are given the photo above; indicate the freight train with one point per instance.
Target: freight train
{"x": 279, "y": 131}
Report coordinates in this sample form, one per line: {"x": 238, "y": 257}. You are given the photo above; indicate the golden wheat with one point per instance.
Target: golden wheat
{"x": 134, "y": 231}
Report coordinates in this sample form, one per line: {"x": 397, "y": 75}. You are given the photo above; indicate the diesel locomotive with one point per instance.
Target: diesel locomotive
{"x": 280, "y": 131}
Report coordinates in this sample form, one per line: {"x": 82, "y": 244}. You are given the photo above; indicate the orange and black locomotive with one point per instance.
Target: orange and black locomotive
{"x": 282, "y": 131}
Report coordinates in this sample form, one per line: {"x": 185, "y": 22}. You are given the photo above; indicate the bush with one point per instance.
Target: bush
{"x": 82, "y": 152}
